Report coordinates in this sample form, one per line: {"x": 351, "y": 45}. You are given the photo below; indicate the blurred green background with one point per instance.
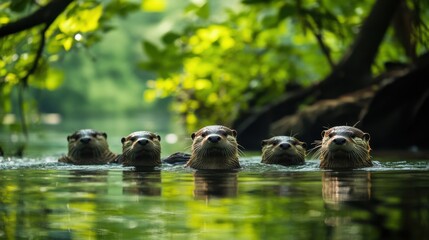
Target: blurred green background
{"x": 171, "y": 66}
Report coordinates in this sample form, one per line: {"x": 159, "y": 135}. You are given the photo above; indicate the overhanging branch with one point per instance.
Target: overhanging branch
{"x": 46, "y": 14}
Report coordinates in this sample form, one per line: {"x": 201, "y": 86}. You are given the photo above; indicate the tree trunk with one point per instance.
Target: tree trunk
{"x": 354, "y": 70}
{"x": 352, "y": 73}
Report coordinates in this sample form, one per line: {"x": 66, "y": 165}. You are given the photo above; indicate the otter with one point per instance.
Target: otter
{"x": 88, "y": 147}
{"x": 141, "y": 149}
{"x": 344, "y": 147}
{"x": 214, "y": 147}
{"x": 283, "y": 150}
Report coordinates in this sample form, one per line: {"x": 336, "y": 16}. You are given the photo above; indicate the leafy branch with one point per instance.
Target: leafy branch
{"x": 46, "y": 14}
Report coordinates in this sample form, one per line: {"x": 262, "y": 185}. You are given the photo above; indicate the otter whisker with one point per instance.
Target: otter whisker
{"x": 283, "y": 150}
{"x": 353, "y": 152}
{"x": 87, "y": 146}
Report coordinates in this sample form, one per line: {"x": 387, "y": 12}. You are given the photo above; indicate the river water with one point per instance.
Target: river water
{"x": 41, "y": 198}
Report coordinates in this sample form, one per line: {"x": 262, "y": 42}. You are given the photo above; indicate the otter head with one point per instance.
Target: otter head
{"x": 344, "y": 147}
{"x": 86, "y": 144}
{"x": 283, "y": 150}
{"x": 214, "y": 147}
{"x": 141, "y": 148}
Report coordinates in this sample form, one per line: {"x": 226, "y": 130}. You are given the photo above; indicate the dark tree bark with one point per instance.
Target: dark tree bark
{"x": 398, "y": 115}
{"x": 395, "y": 112}
{"x": 352, "y": 73}
{"x": 354, "y": 70}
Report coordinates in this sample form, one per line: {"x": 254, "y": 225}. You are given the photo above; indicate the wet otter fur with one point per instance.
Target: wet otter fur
{"x": 141, "y": 149}
{"x": 214, "y": 147}
{"x": 88, "y": 147}
{"x": 283, "y": 150}
{"x": 344, "y": 147}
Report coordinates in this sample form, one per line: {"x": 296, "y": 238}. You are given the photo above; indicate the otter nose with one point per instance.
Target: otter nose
{"x": 285, "y": 146}
{"x": 143, "y": 141}
{"x": 214, "y": 138}
{"x": 85, "y": 140}
{"x": 339, "y": 141}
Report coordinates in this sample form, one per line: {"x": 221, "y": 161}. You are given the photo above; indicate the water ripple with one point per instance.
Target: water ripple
{"x": 249, "y": 164}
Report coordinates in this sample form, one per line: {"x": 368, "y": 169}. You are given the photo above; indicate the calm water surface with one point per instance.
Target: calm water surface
{"x": 40, "y": 199}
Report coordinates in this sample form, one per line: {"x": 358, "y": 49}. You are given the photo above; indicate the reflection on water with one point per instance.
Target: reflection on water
{"x": 344, "y": 187}
{"x": 146, "y": 182}
{"x": 215, "y": 184}
{"x": 340, "y": 189}
{"x": 43, "y": 199}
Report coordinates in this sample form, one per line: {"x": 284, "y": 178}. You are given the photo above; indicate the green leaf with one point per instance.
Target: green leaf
{"x": 285, "y": 11}
{"x": 170, "y": 37}
{"x": 269, "y": 21}
{"x": 83, "y": 21}
{"x": 153, "y": 5}
{"x": 151, "y": 50}
{"x": 204, "y": 11}
{"x": 20, "y": 5}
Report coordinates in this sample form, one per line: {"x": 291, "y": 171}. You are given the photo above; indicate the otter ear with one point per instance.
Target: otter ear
{"x": 303, "y": 144}
{"x": 366, "y": 136}
{"x": 159, "y": 137}
{"x": 234, "y": 133}
{"x": 193, "y": 136}
{"x": 264, "y": 142}
{"x": 123, "y": 140}
{"x": 68, "y": 138}
{"x": 104, "y": 135}
{"x": 323, "y": 133}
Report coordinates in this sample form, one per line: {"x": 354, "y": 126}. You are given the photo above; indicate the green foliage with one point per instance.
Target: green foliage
{"x": 81, "y": 25}
{"x": 221, "y": 59}
{"x": 219, "y": 68}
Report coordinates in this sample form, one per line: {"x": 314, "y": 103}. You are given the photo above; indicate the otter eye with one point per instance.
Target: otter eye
{"x": 72, "y": 138}
{"x": 204, "y": 134}
{"x": 223, "y": 133}
{"x": 94, "y": 135}
{"x": 132, "y": 139}
{"x": 330, "y": 135}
